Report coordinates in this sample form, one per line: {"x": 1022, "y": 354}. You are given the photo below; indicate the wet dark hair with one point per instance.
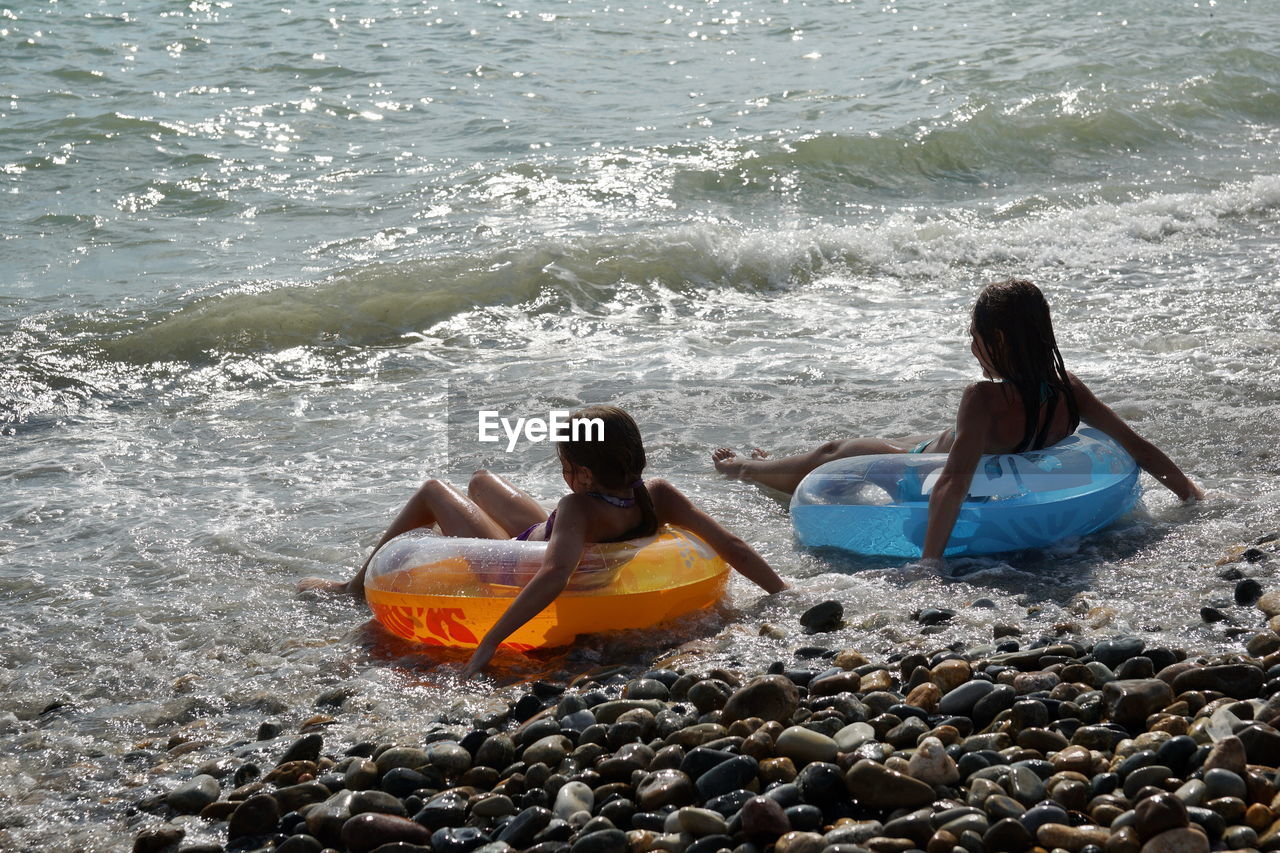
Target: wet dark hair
{"x": 617, "y": 461}
{"x": 1012, "y": 318}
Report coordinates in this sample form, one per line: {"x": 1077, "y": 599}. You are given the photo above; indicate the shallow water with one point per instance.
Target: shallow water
{"x": 258, "y": 262}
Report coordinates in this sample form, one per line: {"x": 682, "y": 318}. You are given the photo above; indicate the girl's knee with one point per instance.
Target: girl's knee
{"x": 480, "y": 479}
{"x": 831, "y": 448}
{"x": 432, "y": 486}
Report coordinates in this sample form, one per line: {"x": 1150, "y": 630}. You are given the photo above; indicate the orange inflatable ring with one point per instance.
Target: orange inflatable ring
{"x": 448, "y": 591}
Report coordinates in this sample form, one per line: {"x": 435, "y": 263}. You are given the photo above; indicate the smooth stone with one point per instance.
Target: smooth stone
{"x": 1192, "y": 792}
{"x": 310, "y": 844}
{"x": 665, "y": 788}
{"x": 1223, "y": 783}
{"x": 800, "y": 842}
{"x": 257, "y": 815}
{"x": 1043, "y": 814}
{"x": 1025, "y": 786}
{"x": 931, "y": 764}
{"x": 1007, "y": 835}
{"x": 452, "y": 759}
{"x": 1157, "y": 813}
{"x": 490, "y": 805}
{"x": 408, "y": 757}
{"x": 855, "y": 833}
{"x": 961, "y": 700}
{"x": 325, "y": 820}
{"x": 376, "y": 801}
{"x": 1247, "y": 592}
{"x": 193, "y": 795}
{"x": 549, "y": 750}
{"x": 1184, "y": 840}
{"x": 876, "y": 786}
{"x": 601, "y": 841}
{"x": 521, "y": 829}
{"x": 1057, "y": 835}
{"x": 1238, "y": 680}
{"x": 853, "y": 735}
{"x": 1112, "y": 652}
{"x": 497, "y": 751}
{"x": 1261, "y": 744}
{"x": 1000, "y": 807}
{"x": 709, "y": 694}
{"x": 950, "y": 674}
{"x": 805, "y": 817}
{"x": 156, "y": 839}
{"x": 821, "y": 784}
{"x": 458, "y": 839}
{"x": 823, "y": 617}
{"x": 769, "y": 697}
{"x": 1133, "y": 700}
{"x": 699, "y": 822}
{"x": 764, "y": 818}
{"x": 608, "y": 713}
{"x": 1227, "y": 754}
{"x": 360, "y": 775}
{"x": 803, "y": 745}
{"x": 573, "y": 797}
{"x": 1152, "y": 774}
{"x": 727, "y": 776}
{"x": 1240, "y": 837}
{"x": 363, "y": 833}
{"x": 646, "y": 688}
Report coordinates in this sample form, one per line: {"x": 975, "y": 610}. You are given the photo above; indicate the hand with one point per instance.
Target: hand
{"x": 482, "y": 655}
{"x": 1197, "y": 493}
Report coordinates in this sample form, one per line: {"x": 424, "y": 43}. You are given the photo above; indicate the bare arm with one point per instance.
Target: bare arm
{"x": 973, "y": 424}
{"x": 673, "y": 507}
{"x": 1149, "y": 457}
{"x": 564, "y": 550}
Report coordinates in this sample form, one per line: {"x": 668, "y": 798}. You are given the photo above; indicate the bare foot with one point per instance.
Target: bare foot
{"x": 727, "y": 462}
{"x": 759, "y": 453}
{"x": 326, "y": 586}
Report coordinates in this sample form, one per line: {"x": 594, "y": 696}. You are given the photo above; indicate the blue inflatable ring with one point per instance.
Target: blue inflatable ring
{"x": 879, "y": 505}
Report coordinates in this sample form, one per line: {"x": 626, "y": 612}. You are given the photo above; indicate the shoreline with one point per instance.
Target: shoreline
{"x": 1053, "y": 743}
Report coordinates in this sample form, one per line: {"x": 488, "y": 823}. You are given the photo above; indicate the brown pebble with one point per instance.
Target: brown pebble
{"x": 1072, "y": 838}
{"x": 950, "y": 674}
{"x": 849, "y": 659}
{"x": 941, "y": 842}
{"x": 312, "y": 724}
{"x": 800, "y": 842}
{"x": 880, "y": 679}
{"x": 221, "y": 810}
{"x": 1123, "y": 840}
{"x": 1259, "y": 816}
{"x": 777, "y": 770}
{"x": 1183, "y": 840}
{"x": 926, "y": 696}
{"x": 758, "y": 745}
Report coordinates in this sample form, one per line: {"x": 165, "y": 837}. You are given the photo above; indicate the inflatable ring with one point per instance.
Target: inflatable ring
{"x": 449, "y": 591}
{"x": 879, "y": 505}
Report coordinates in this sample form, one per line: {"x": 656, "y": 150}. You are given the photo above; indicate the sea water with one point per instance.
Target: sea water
{"x": 262, "y": 264}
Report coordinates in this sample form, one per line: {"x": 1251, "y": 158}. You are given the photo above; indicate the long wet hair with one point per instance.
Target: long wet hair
{"x": 616, "y": 462}
{"x": 1012, "y": 318}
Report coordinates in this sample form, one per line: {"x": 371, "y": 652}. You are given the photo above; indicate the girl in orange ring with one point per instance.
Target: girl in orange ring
{"x": 1029, "y": 402}
{"x": 608, "y": 502}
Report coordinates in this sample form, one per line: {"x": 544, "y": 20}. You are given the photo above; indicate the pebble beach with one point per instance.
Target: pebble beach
{"x": 263, "y": 265}
{"x": 1109, "y": 745}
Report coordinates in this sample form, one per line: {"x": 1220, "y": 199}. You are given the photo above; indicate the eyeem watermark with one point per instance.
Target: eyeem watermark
{"x": 556, "y": 426}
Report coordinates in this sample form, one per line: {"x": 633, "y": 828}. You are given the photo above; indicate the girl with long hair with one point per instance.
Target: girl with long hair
{"x": 1028, "y": 402}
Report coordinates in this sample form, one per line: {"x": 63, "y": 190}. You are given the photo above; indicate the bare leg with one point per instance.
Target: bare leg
{"x": 785, "y": 474}
{"x": 512, "y": 508}
{"x": 436, "y": 502}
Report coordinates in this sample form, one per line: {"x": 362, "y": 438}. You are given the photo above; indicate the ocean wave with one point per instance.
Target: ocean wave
{"x": 390, "y": 304}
